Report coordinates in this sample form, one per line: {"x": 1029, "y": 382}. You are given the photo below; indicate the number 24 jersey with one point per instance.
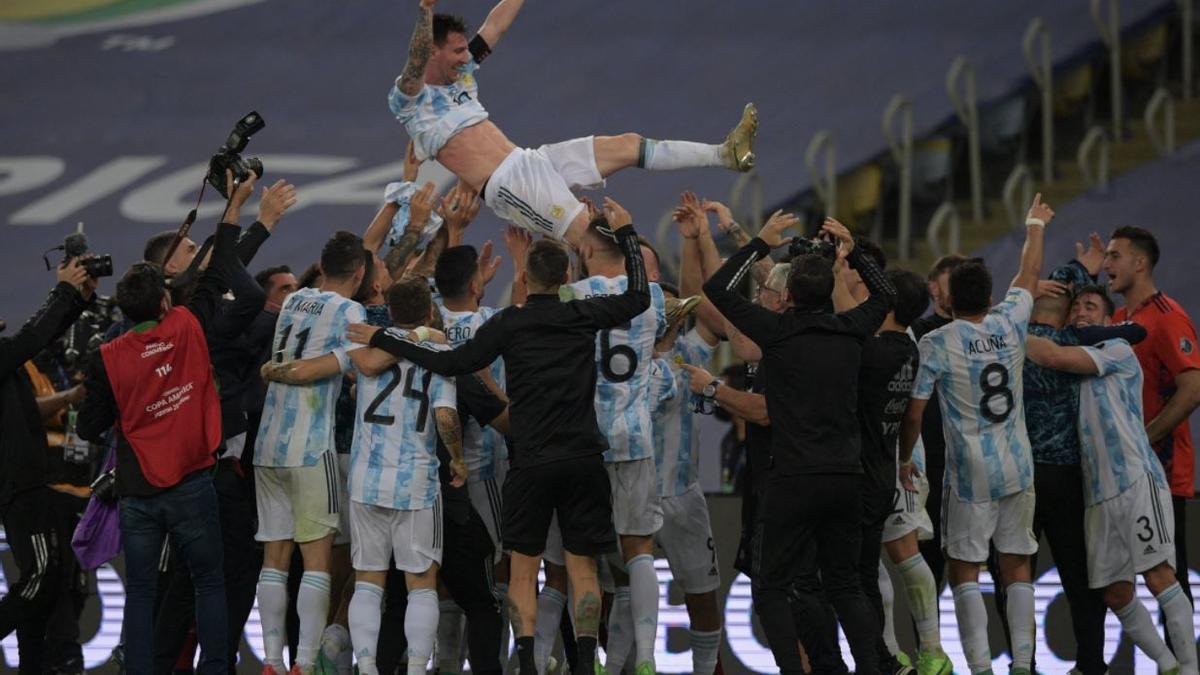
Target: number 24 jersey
{"x": 977, "y": 372}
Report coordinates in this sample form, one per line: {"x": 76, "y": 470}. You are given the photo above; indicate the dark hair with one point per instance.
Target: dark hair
{"x": 364, "y": 287}
{"x": 871, "y": 250}
{"x": 140, "y": 292}
{"x": 547, "y": 262}
{"x": 342, "y": 255}
{"x": 810, "y": 282}
{"x": 409, "y": 301}
{"x": 605, "y": 245}
{"x": 946, "y": 263}
{"x": 912, "y": 296}
{"x": 455, "y": 269}
{"x": 156, "y": 247}
{"x": 444, "y": 25}
{"x": 1140, "y": 239}
{"x": 264, "y": 276}
{"x": 308, "y": 278}
{"x": 1096, "y": 289}
{"x": 646, "y": 242}
{"x": 970, "y": 287}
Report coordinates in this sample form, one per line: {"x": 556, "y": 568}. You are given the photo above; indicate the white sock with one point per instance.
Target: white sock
{"x": 643, "y": 600}
{"x": 272, "y": 612}
{"x": 1019, "y": 608}
{"x": 365, "y": 616}
{"x": 505, "y": 628}
{"x": 972, "y": 626}
{"x": 671, "y": 155}
{"x": 1138, "y": 625}
{"x": 921, "y": 590}
{"x": 312, "y": 606}
{"x": 1177, "y": 610}
{"x": 620, "y": 631}
{"x": 888, "y": 594}
{"x": 335, "y": 641}
{"x": 550, "y": 603}
{"x": 450, "y": 637}
{"x": 705, "y": 647}
{"x": 420, "y": 627}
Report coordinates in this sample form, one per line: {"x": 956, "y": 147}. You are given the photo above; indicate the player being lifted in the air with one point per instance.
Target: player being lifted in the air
{"x": 436, "y": 98}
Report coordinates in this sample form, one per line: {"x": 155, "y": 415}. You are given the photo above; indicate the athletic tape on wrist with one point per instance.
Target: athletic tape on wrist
{"x": 1035, "y": 221}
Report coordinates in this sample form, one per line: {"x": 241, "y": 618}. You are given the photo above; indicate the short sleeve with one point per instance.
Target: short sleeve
{"x": 1175, "y": 343}
{"x": 341, "y": 340}
{"x": 444, "y": 394}
{"x": 1018, "y": 307}
{"x": 658, "y": 302}
{"x": 404, "y": 107}
{"x": 1112, "y": 356}
{"x": 929, "y": 372}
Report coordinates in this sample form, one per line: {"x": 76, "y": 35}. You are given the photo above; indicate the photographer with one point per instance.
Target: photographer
{"x": 24, "y": 497}
{"x": 810, "y": 515}
{"x": 163, "y": 400}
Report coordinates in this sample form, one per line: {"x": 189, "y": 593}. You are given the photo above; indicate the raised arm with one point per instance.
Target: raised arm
{"x": 737, "y": 233}
{"x": 614, "y": 310}
{"x": 1031, "y": 253}
{"x": 868, "y": 316}
{"x": 518, "y": 241}
{"x": 420, "y": 47}
{"x": 758, "y": 323}
{"x": 498, "y": 20}
{"x": 1047, "y": 354}
{"x": 64, "y": 304}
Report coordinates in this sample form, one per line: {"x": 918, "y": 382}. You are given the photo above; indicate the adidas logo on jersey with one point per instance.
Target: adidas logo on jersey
{"x": 713, "y": 572}
{"x": 898, "y": 521}
{"x": 1149, "y": 549}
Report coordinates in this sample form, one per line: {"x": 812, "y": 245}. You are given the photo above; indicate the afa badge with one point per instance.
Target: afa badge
{"x": 1185, "y": 345}
{"x": 557, "y": 211}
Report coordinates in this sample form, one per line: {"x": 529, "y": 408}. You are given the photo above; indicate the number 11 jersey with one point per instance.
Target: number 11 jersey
{"x": 297, "y": 421}
{"x": 977, "y": 369}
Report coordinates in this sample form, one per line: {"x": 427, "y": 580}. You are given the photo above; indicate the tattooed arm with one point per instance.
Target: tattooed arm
{"x": 419, "y": 48}
{"x": 450, "y": 430}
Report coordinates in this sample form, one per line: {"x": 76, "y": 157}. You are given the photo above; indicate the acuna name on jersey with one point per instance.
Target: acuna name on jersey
{"x": 993, "y": 343}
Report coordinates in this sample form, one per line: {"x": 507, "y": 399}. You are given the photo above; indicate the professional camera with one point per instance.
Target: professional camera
{"x": 229, "y": 156}
{"x": 75, "y": 245}
{"x": 818, "y": 245}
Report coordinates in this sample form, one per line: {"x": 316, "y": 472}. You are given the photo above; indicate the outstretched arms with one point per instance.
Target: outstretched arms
{"x": 419, "y": 48}
{"x": 498, "y": 20}
{"x": 1031, "y": 254}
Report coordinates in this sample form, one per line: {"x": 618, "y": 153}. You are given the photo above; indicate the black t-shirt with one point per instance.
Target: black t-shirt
{"x": 758, "y": 438}
{"x": 476, "y": 401}
{"x": 885, "y": 379}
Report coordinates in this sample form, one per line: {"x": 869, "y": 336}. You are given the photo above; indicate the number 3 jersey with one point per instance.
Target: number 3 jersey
{"x": 393, "y": 458}
{"x": 977, "y": 372}
{"x": 624, "y": 356}
{"x": 297, "y": 422}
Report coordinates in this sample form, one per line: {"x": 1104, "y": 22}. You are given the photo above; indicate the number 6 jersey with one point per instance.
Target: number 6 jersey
{"x": 976, "y": 369}
{"x": 297, "y": 421}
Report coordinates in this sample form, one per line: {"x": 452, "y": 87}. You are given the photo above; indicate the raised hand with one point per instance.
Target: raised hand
{"x": 690, "y": 216}
{"x": 517, "y": 241}
{"x": 724, "y": 215}
{"x": 459, "y": 207}
{"x": 73, "y": 273}
{"x": 276, "y": 200}
{"x": 840, "y": 234}
{"x": 616, "y": 215}
{"x": 488, "y": 263}
{"x": 1093, "y": 257}
{"x": 772, "y": 231}
{"x": 1039, "y": 211}
{"x": 421, "y": 204}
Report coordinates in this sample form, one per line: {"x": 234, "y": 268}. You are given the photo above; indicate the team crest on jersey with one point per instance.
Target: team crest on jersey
{"x": 557, "y": 211}
{"x": 1185, "y": 345}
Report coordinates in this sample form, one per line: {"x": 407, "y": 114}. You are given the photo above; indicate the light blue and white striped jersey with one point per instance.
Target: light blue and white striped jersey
{"x": 1116, "y": 451}
{"x": 393, "y": 458}
{"x": 297, "y": 421}
{"x": 676, "y": 432}
{"x": 437, "y": 112}
{"x": 623, "y": 357}
{"x": 401, "y": 194}
{"x": 977, "y": 371}
{"x": 484, "y": 447}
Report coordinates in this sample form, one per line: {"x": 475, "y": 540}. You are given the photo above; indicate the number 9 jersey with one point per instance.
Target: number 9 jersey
{"x": 976, "y": 369}
{"x": 623, "y": 359}
{"x": 297, "y": 421}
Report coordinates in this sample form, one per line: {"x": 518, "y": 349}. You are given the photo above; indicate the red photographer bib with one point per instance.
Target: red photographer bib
{"x": 163, "y": 384}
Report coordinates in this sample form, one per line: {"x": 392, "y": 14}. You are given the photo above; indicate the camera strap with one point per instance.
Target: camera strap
{"x": 186, "y": 225}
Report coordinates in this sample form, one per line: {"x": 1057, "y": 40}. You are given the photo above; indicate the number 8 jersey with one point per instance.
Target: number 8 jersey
{"x": 297, "y": 421}
{"x": 623, "y": 359}
{"x": 976, "y": 369}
